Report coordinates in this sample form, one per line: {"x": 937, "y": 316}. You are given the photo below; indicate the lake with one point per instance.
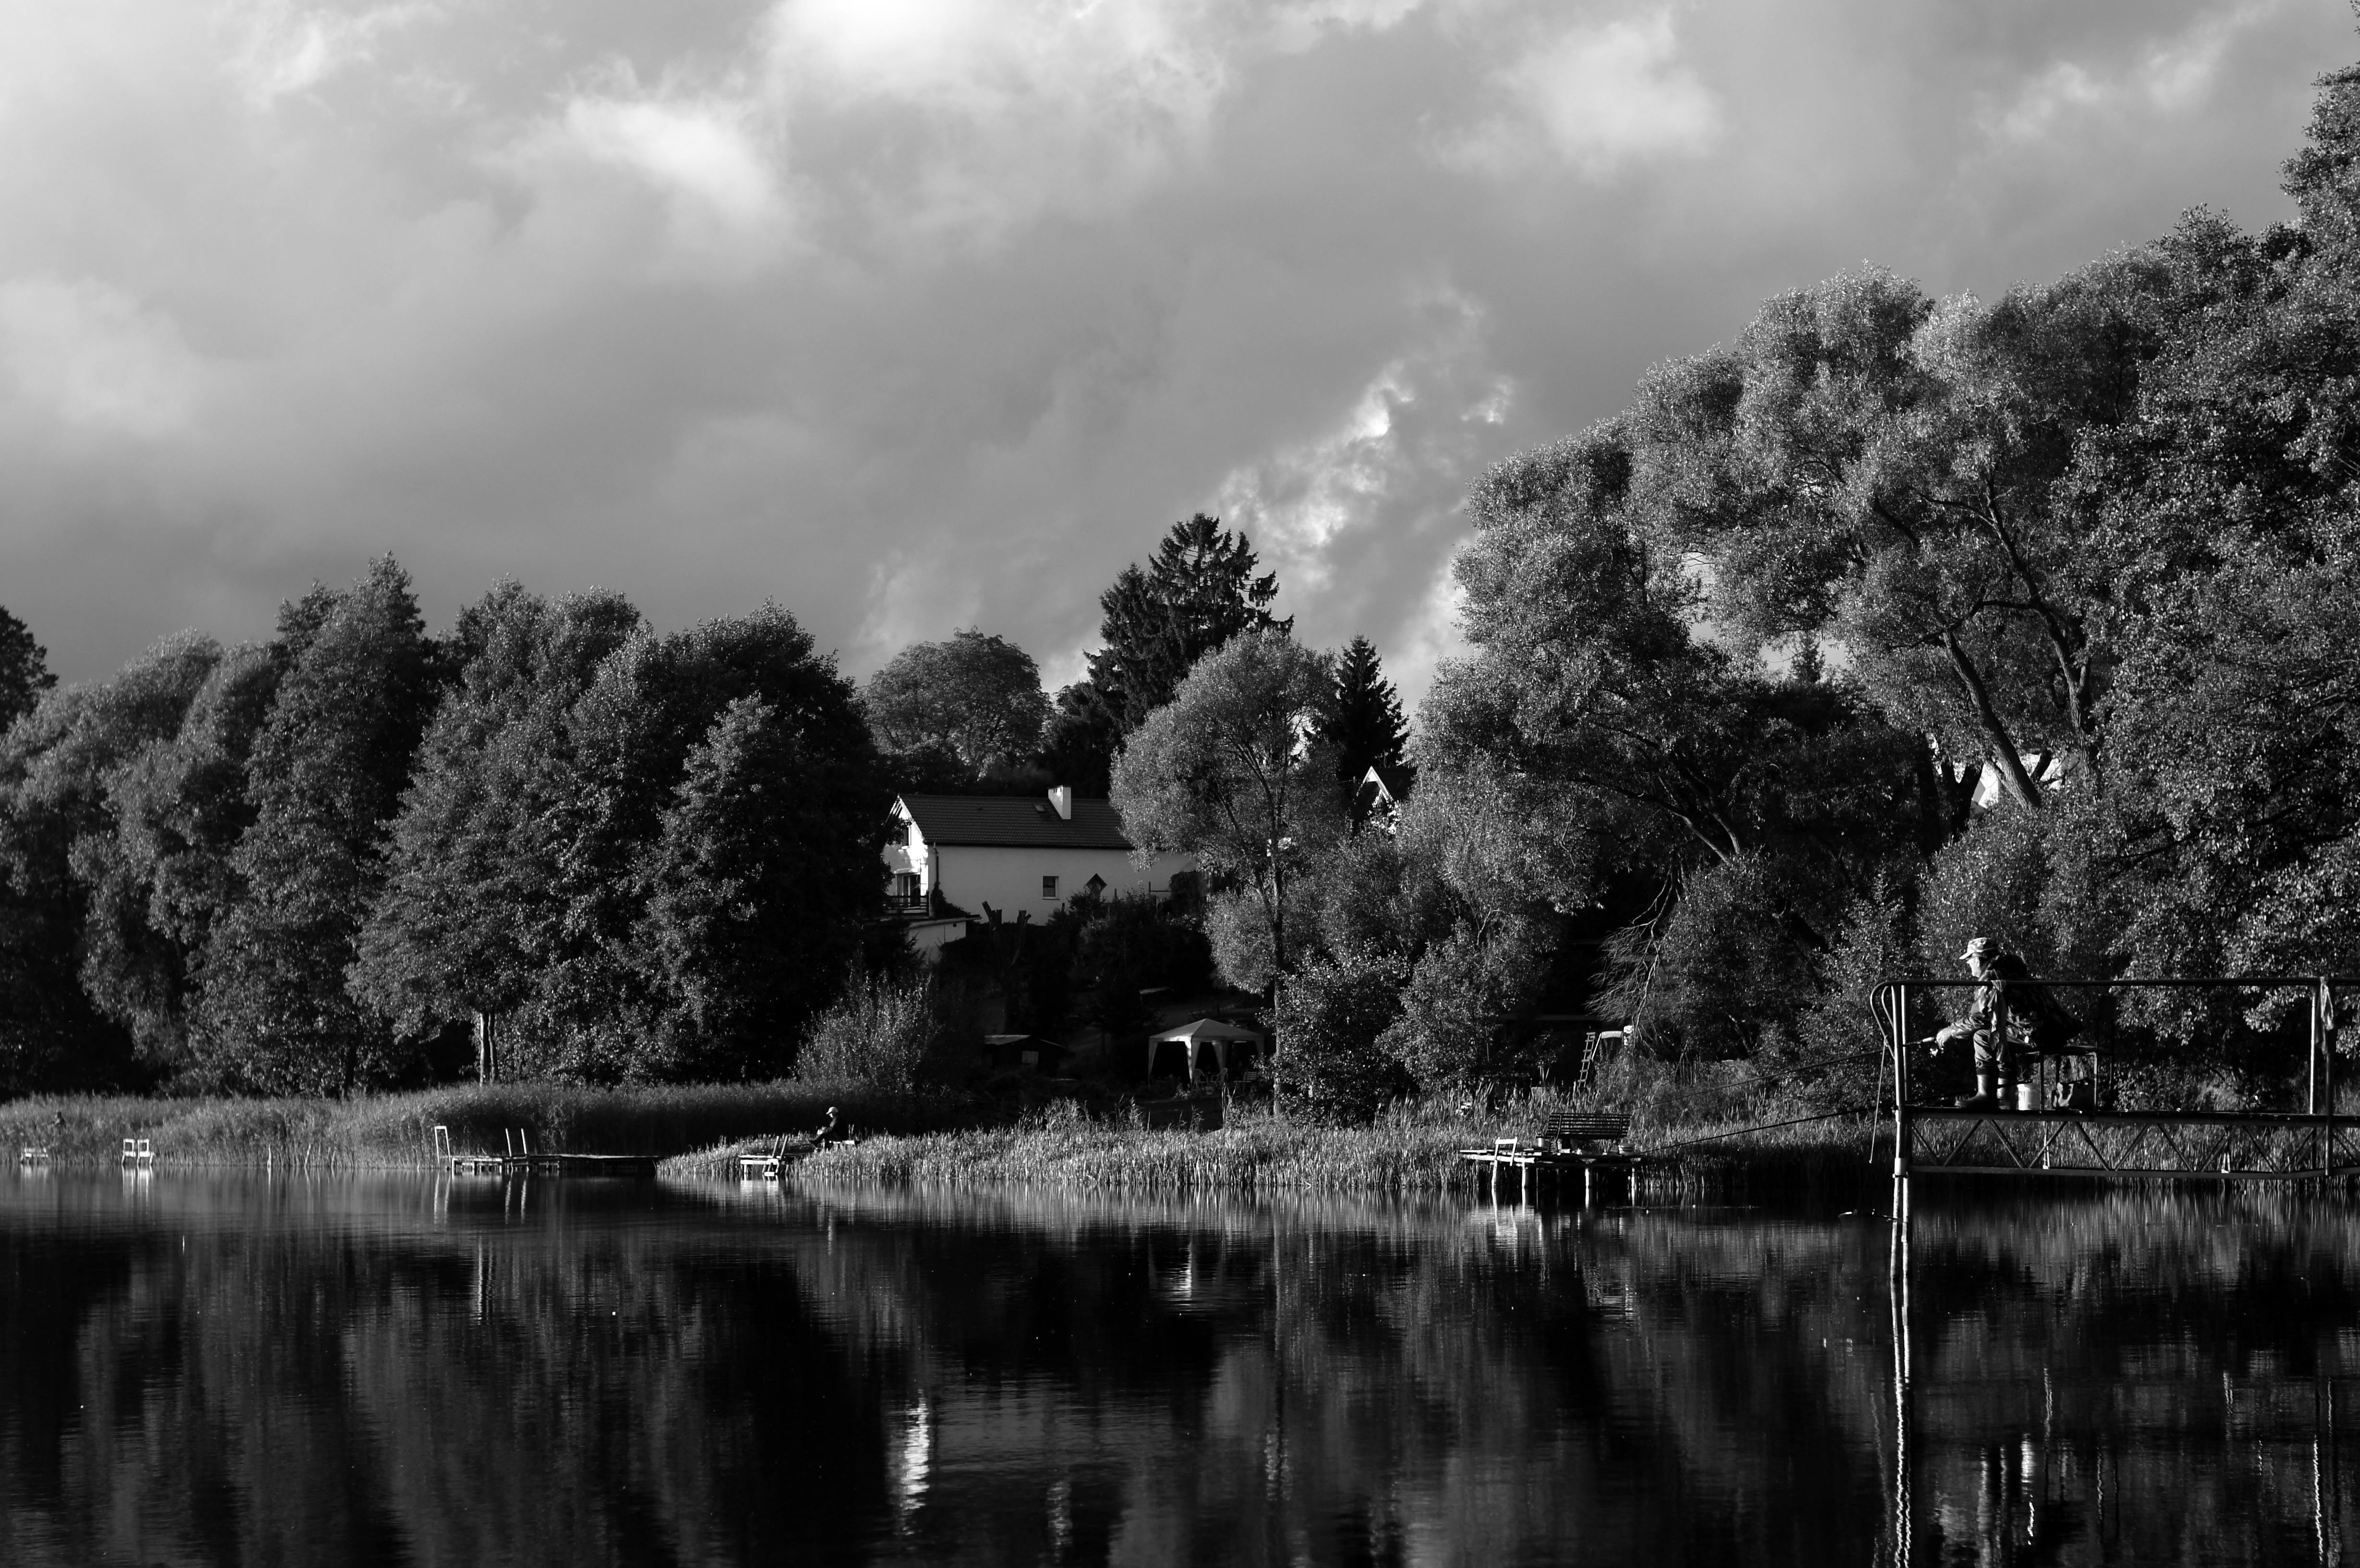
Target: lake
{"x": 242, "y": 1370}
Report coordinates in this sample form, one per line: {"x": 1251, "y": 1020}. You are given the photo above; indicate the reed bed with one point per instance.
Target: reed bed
{"x": 1411, "y": 1149}
{"x": 393, "y": 1131}
{"x": 920, "y": 1140}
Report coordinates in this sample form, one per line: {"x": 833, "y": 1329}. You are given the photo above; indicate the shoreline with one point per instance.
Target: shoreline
{"x": 928, "y": 1141}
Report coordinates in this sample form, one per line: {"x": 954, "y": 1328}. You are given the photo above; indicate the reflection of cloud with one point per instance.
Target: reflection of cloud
{"x": 93, "y": 357}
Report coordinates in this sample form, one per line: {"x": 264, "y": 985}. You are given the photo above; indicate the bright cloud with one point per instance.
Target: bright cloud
{"x": 705, "y": 155}
{"x": 1607, "y": 96}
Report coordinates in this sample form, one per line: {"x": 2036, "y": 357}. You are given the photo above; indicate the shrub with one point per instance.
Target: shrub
{"x": 887, "y": 1032}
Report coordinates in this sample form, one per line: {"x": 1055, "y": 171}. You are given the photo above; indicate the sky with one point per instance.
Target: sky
{"x": 914, "y": 315}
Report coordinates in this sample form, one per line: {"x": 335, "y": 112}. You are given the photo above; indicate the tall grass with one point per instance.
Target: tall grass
{"x": 1414, "y": 1146}
{"x": 919, "y": 1138}
{"x": 394, "y": 1130}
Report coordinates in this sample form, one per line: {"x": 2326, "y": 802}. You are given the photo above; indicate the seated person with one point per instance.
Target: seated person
{"x": 2035, "y": 1023}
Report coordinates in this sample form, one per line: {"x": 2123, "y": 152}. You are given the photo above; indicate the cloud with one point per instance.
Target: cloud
{"x": 1604, "y": 97}
{"x": 914, "y": 314}
{"x": 283, "y": 48}
{"x": 2171, "y": 75}
{"x": 988, "y": 114}
{"x": 707, "y": 156}
{"x": 94, "y": 360}
{"x": 1393, "y": 466}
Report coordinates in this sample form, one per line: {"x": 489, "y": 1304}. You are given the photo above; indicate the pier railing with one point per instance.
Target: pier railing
{"x": 2046, "y": 1139}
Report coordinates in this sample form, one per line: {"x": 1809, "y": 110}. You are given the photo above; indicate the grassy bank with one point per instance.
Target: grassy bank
{"x": 914, "y": 1142}
{"x": 383, "y": 1131}
{"x": 1412, "y": 1149}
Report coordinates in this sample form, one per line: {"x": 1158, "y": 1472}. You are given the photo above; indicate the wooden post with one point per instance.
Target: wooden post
{"x": 1901, "y": 1083}
{"x": 2325, "y": 1023}
{"x": 2003, "y": 1060}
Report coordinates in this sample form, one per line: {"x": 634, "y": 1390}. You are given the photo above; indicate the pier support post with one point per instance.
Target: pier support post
{"x": 1901, "y": 1083}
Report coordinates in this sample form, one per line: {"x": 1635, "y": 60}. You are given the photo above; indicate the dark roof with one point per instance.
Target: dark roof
{"x": 1026, "y": 821}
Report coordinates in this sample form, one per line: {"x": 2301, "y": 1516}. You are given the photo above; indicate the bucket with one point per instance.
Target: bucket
{"x": 2027, "y": 1097}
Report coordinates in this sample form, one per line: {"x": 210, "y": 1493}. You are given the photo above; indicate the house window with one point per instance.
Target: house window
{"x": 906, "y": 887}
{"x": 1048, "y": 887}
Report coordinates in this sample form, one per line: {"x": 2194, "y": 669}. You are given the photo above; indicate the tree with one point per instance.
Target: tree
{"x": 1875, "y": 469}
{"x": 747, "y": 900}
{"x": 1078, "y": 744}
{"x": 1197, "y": 592}
{"x": 24, "y": 671}
{"x": 326, "y": 776}
{"x": 621, "y": 995}
{"x": 469, "y": 917}
{"x": 1365, "y": 729}
{"x": 1231, "y": 771}
{"x": 976, "y": 697}
{"x": 1644, "y": 752}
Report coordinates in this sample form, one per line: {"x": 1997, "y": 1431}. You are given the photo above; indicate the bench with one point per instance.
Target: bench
{"x": 763, "y": 1166}
{"x": 1574, "y": 1132}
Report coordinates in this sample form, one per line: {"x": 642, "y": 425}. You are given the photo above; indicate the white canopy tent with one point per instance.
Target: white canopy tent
{"x": 1194, "y": 1037}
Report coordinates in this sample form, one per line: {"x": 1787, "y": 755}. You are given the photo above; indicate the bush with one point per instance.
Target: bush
{"x": 1328, "y": 1066}
{"x": 887, "y": 1032}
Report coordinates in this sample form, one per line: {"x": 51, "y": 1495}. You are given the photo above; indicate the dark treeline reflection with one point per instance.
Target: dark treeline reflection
{"x": 238, "y": 1370}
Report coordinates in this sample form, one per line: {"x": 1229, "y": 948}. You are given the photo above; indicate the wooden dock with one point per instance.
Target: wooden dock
{"x": 1568, "y": 1145}
{"x": 2128, "y": 1144}
{"x": 519, "y": 1158}
{"x": 2045, "y": 1136}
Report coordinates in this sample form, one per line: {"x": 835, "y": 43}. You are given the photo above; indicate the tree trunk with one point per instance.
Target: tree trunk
{"x": 488, "y": 1046}
{"x": 2003, "y": 746}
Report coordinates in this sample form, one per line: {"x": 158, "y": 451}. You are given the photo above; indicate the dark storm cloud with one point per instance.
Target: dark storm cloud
{"x": 914, "y": 314}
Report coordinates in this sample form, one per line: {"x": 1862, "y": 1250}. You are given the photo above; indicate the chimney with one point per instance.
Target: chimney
{"x": 1062, "y": 797}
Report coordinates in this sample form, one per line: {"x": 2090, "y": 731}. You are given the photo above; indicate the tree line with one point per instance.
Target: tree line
{"x": 1743, "y": 658}
{"x": 550, "y": 843}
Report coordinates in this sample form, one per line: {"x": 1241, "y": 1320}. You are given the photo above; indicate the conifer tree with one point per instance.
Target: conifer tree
{"x": 24, "y": 670}
{"x": 1197, "y": 592}
{"x": 1365, "y": 729}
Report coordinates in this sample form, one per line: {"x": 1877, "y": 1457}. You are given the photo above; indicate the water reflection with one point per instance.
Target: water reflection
{"x": 241, "y": 1370}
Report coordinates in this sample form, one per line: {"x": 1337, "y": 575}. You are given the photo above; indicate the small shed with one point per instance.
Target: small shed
{"x": 1208, "y": 1041}
{"x": 1022, "y": 1052}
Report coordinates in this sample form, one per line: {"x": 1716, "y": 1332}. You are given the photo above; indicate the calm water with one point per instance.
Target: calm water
{"x": 243, "y": 1370}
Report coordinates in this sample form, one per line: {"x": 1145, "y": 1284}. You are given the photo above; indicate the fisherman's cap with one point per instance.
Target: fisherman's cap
{"x": 1979, "y": 947}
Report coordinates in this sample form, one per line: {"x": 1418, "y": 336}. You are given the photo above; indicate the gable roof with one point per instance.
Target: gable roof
{"x": 1020, "y": 822}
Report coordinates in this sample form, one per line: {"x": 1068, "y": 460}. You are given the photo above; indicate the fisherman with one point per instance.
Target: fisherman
{"x": 2035, "y": 1021}
{"x": 830, "y": 1131}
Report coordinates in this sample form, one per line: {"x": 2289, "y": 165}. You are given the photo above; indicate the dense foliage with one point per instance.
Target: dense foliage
{"x": 313, "y": 866}
{"x": 1893, "y": 621}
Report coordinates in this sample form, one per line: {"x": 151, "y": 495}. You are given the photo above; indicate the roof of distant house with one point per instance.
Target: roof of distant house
{"x": 1022, "y": 822}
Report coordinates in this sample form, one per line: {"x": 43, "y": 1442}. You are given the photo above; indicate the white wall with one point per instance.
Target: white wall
{"x": 1009, "y": 879}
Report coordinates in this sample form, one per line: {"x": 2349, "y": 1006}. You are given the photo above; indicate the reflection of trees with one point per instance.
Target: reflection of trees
{"x": 1335, "y": 1382}
{"x": 340, "y": 1370}
{"x": 338, "y": 1388}
{"x": 2135, "y": 1378}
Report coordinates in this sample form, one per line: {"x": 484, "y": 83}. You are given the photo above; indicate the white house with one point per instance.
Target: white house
{"x": 960, "y": 852}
